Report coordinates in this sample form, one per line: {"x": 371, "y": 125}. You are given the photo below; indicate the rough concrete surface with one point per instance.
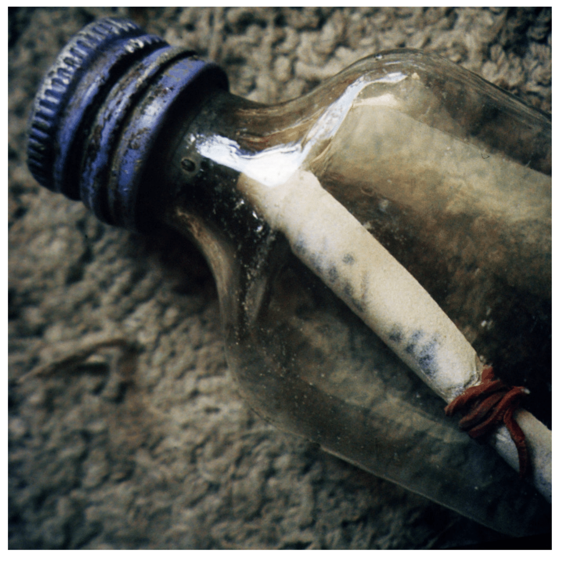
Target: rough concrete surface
{"x": 142, "y": 441}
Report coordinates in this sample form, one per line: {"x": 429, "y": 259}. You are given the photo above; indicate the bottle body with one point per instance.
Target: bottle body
{"x": 470, "y": 221}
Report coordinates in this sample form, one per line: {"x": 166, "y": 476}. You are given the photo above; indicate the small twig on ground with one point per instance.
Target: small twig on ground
{"x": 83, "y": 350}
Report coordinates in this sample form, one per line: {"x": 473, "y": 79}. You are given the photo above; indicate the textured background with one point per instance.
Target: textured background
{"x": 150, "y": 446}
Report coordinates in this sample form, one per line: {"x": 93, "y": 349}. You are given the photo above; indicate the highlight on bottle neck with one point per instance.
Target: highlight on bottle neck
{"x": 100, "y": 109}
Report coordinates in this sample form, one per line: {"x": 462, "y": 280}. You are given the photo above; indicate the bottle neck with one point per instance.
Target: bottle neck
{"x": 199, "y": 197}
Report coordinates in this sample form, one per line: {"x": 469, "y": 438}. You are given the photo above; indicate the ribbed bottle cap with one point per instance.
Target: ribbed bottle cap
{"x": 100, "y": 109}
{"x": 51, "y": 128}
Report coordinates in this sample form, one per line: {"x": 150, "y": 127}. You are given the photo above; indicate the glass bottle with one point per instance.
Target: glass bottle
{"x": 322, "y": 218}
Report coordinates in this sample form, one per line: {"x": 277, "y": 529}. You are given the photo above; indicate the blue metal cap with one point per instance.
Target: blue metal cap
{"x": 87, "y": 137}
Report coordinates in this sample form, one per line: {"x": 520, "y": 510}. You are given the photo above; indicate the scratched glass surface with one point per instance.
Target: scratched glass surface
{"x": 453, "y": 178}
